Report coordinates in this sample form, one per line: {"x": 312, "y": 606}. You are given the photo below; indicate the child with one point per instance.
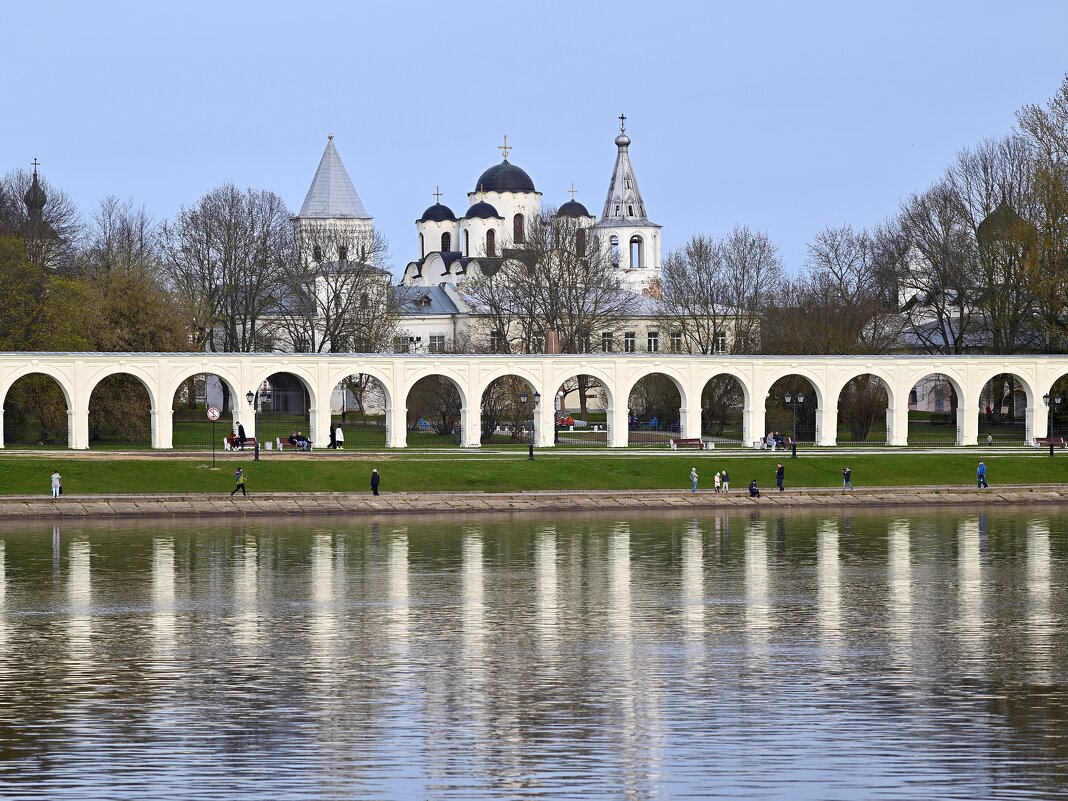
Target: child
{"x": 717, "y": 481}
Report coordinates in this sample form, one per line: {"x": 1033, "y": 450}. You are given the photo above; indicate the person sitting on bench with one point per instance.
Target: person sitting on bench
{"x": 241, "y": 438}
{"x": 303, "y": 443}
{"x": 293, "y": 438}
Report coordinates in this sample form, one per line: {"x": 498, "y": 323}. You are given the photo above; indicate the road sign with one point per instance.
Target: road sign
{"x": 213, "y": 414}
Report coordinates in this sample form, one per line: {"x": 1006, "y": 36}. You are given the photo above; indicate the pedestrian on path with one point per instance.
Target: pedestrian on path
{"x": 726, "y": 481}
{"x": 718, "y": 481}
{"x": 693, "y": 480}
{"x": 753, "y": 491}
{"x": 980, "y": 477}
{"x": 239, "y": 483}
{"x": 780, "y": 474}
{"x": 333, "y": 437}
{"x": 57, "y": 484}
{"x": 847, "y": 479}
{"x": 374, "y": 481}
{"x": 339, "y": 438}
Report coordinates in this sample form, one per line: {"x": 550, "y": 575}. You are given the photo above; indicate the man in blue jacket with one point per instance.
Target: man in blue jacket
{"x": 980, "y": 477}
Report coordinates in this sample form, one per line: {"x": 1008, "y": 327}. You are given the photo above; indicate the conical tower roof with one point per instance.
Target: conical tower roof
{"x": 332, "y": 194}
{"x": 624, "y": 202}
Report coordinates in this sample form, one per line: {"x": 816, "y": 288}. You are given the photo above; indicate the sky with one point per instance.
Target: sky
{"x": 788, "y": 117}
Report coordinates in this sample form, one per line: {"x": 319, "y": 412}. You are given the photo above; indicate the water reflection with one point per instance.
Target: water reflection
{"x": 861, "y": 656}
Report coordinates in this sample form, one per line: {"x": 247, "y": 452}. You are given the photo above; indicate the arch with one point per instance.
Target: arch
{"x": 491, "y": 243}
{"x": 228, "y": 379}
{"x": 60, "y": 377}
{"x": 1006, "y": 422}
{"x": 1056, "y": 413}
{"x": 360, "y": 407}
{"x": 791, "y": 420}
{"x": 582, "y": 418}
{"x": 637, "y": 252}
{"x": 116, "y": 415}
{"x": 519, "y": 233}
{"x": 507, "y": 410}
{"x": 148, "y": 381}
{"x": 815, "y": 381}
{"x": 725, "y": 397}
{"x": 656, "y": 401}
{"x": 280, "y": 406}
{"x": 37, "y": 413}
{"x": 437, "y": 408}
{"x": 613, "y": 246}
{"x": 933, "y": 418}
{"x": 191, "y": 428}
{"x": 446, "y": 242}
{"x": 862, "y": 404}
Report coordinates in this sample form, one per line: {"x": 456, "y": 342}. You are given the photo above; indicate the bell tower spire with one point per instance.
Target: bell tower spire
{"x": 624, "y": 201}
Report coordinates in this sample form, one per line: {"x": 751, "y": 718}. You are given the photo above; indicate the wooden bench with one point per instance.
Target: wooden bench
{"x": 1045, "y": 442}
{"x": 250, "y": 445}
{"x": 696, "y": 443}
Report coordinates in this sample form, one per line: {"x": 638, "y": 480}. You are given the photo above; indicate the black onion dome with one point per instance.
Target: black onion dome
{"x": 572, "y": 209}
{"x": 35, "y": 197}
{"x": 437, "y": 213}
{"x": 482, "y": 210}
{"x": 504, "y": 177}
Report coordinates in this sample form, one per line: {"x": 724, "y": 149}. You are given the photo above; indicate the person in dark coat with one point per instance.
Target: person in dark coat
{"x": 780, "y": 474}
{"x": 753, "y": 491}
{"x": 333, "y": 437}
{"x": 241, "y": 435}
{"x": 374, "y": 481}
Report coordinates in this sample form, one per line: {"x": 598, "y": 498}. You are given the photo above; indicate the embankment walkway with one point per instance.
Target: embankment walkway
{"x": 290, "y": 505}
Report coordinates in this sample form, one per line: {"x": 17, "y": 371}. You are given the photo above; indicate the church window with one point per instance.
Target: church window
{"x": 580, "y": 241}
{"x": 342, "y": 253}
{"x": 491, "y": 243}
{"x": 628, "y": 342}
{"x": 617, "y": 209}
{"x": 317, "y": 253}
{"x": 519, "y": 234}
{"x": 496, "y": 340}
{"x": 676, "y": 341}
{"x": 467, "y": 243}
{"x": 614, "y": 242}
{"x": 606, "y": 341}
{"x": 653, "y": 341}
{"x": 721, "y": 342}
{"x": 422, "y": 248}
{"x": 630, "y": 211}
{"x": 637, "y": 256}
{"x": 446, "y": 242}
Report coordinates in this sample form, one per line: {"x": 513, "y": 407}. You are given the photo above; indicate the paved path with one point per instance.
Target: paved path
{"x": 15, "y": 508}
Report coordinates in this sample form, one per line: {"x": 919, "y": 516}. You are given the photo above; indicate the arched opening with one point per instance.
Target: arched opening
{"x": 581, "y": 406}
{"x": 35, "y": 413}
{"x": 580, "y": 241}
{"x": 283, "y": 409}
{"x": 790, "y": 413}
{"x": 637, "y": 252}
{"x": 491, "y": 243}
{"x": 1055, "y": 407}
{"x": 613, "y": 243}
{"x": 862, "y": 406}
{"x": 358, "y": 408}
{"x": 1003, "y": 411}
{"x": 508, "y": 413}
{"x": 653, "y": 411}
{"x": 192, "y": 430}
{"x": 519, "y": 234}
{"x": 422, "y": 246}
{"x": 120, "y": 414}
{"x": 446, "y": 242}
{"x": 933, "y": 403}
{"x": 467, "y": 244}
{"x": 722, "y": 410}
{"x": 434, "y": 413}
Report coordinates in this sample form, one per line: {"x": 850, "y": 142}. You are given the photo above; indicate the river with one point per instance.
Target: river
{"x": 860, "y": 655}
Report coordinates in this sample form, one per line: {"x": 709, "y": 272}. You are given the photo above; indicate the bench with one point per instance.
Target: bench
{"x": 1045, "y": 442}
{"x": 250, "y": 445}
{"x": 696, "y": 443}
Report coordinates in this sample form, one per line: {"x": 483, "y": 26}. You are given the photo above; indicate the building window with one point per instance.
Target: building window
{"x": 496, "y": 340}
{"x": 343, "y": 251}
{"x": 580, "y": 241}
{"x": 437, "y": 343}
{"x": 614, "y": 243}
{"x": 676, "y": 341}
{"x": 317, "y": 253}
{"x": 519, "y": 234}
{"x": 583, "y": 342}
{"x": 628, "y": 342}
{"x": 422, "y": 247}
{"x": 654, "y": 341}
{"x": 606, "y": 341}
{"x": 400, "y": 344}
{"x": 721, "y": 342}
{"x": 446, "y": 242}
{"x": 630, "y": 211}
{"x": 467, "y": 244}
{"x": 491, "y": 243}
{"x": 637, "y": 256}
{"x": 537, "y": 342}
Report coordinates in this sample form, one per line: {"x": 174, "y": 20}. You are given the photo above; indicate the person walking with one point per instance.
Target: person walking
{"x": 753, "y": 491}
{"x": 717, "y": 480}
{"x": 375, "y": 478}
{"x": 780, "y": 474}
{"x": 333, "y": 437}
{"x": 339, "y": 438}
{"x": 241, "y": 435}
{"x": 693, "y": 480}
{"x": 239, "y": 483}
{"x": 726, "y": 481}
{"x": 980, "y": 477}
{"x": 57, "y": 484}
{"x": 847, "y": 479}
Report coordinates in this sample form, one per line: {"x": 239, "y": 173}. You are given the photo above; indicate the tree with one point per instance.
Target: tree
{"x": 51, "y": 238}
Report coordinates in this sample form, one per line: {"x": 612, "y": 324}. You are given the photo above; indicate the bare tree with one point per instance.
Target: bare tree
{"x": 54, "y": 236}
{"x": 120, "y": 238}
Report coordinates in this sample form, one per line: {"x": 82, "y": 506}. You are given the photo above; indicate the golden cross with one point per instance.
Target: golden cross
{"x": 437, "y": 193}
{"x": 505, "y": 148}
{"x": 622, "y": 122}
{"x": 572, "y": 190}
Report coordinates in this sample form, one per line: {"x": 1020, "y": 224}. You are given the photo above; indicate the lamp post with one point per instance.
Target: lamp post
{"x": 533, "y": 420}
{"x": 250, "y": 396}
{"x": 793, "y": 401}
{"x": 1050, "y": 403}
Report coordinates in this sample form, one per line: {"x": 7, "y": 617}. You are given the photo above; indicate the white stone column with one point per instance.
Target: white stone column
{"x": 617, "y": 426}
{"x": 1, "y": 426}
{"x": 546, "y": 431}
{"x": 754, "y": 418}
{"x": 396, "y": 426}
{"x": 691, "y": 422}
{"x": 1031, "y": 422}
{"x": 78, "y": 425}
{"x": 827, "y": 426}
{"x": 319, "y": 420}
{"x": 968, "y": 421}
{"x": 471, "y": 423}
{"x": 162, "y": 428}
{"x": 897, "y": 425}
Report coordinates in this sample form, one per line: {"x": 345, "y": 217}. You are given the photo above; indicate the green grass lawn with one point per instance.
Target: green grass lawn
{"x": 510, "y": 473}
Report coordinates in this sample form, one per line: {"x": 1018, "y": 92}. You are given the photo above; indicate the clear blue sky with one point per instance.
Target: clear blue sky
{"x": 786, "y": 116}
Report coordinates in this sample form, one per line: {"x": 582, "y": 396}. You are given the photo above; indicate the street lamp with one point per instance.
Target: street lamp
{"x": 533, "y": 419}
{"x": 793, "y": 401}
{"x": 250, "y": 396}
{"x": 1050, "y": 403}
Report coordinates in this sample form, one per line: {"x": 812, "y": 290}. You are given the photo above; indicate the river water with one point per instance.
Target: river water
{"x": 864, "y": 655}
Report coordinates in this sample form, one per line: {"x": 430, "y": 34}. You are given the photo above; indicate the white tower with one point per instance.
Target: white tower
{"x": 333, "y": 214}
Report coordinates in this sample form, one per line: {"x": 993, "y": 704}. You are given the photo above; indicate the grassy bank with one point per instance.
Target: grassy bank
{"x": 512, "y": 473}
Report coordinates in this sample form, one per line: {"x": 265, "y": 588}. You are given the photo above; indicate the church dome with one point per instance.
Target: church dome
{"x": 572, "y": 209}
{"x": 482, "y": 210}
{"x": 505, "y": 177}
{"x": 437, "y": 213}
{"x": 35, "y": 197}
